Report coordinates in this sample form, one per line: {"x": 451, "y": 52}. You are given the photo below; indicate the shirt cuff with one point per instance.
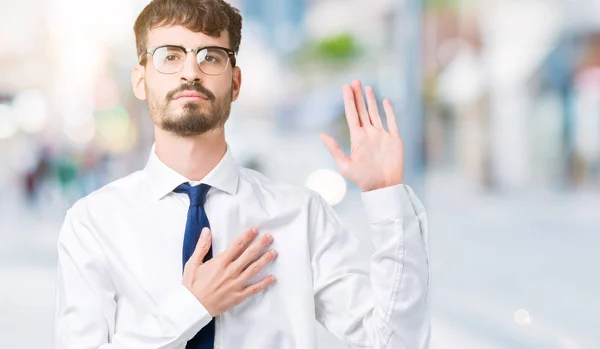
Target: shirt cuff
{"x": 388, "y": 203}
{"x": 185, "y": 311}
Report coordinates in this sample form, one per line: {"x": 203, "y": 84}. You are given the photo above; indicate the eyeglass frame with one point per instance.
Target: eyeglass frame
{"x": 151, "y": 50}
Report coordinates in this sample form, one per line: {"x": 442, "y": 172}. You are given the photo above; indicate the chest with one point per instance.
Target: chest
{"x": 145, "y": 245}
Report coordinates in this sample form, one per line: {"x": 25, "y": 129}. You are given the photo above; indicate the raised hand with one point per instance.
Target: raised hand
{"x": 377, "y": 156}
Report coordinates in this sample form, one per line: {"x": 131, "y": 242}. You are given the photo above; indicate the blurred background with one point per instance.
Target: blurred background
{"x": 498, "y": 103}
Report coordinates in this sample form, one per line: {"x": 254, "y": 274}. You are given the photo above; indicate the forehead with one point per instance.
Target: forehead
{"x": 179, "y": 35}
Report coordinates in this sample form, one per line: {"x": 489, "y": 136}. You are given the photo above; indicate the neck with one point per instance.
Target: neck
{"x": 192, "y": 157}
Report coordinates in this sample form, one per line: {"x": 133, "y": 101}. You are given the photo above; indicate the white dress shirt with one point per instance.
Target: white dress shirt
{"x": 119, "y": 277}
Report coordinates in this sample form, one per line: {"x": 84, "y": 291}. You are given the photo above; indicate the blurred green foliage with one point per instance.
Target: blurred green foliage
{"x": 337, "y": 48}
{"x": 443, "y": 4}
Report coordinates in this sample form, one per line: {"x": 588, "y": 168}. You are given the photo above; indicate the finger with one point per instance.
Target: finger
{"x": 239, "y": 244}
{"x": 359, "y": 100}
{"x": 257, "y": 287}
{"x": 351, "y": 112}
{"x": 391, "y": 117}
{"x": 336, "y": 151}
{"x": 202, "y": 247}
{"x": 255, "y": 268}
{"x": 373, "y": 109}
{"x": 252, "y": 252}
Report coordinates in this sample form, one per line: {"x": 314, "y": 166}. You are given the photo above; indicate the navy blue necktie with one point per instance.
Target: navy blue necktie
{"x": 196, "y": 220}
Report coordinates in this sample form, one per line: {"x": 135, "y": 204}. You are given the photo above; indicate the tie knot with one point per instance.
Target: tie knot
{"x": 197, "y": 194}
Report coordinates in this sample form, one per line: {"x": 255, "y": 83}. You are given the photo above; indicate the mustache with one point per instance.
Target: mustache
{"x": 189, "y": 87}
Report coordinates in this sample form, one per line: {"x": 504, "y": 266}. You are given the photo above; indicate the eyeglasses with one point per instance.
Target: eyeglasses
{"x": 170, "y": 59}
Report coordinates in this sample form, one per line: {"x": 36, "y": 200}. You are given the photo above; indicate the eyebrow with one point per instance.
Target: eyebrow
{"x": 184, "y": 46}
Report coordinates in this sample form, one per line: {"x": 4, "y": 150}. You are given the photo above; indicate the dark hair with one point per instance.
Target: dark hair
{"x": 210, "y": 17}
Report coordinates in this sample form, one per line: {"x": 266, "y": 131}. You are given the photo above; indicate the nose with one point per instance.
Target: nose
{"x": 191, "y": 72}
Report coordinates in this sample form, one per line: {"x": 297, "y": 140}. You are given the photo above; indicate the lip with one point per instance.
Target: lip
{"x": 190, "y": 95}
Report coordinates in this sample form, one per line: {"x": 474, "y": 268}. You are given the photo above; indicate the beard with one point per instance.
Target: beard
{"x": 195, "y": 118}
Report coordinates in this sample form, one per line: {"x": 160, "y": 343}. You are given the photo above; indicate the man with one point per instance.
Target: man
{"x": 133, "y": 271}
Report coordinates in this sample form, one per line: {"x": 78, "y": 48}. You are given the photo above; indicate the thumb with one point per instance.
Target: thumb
{"x": 336, "y": 151}
{"x": 202, "y": 246}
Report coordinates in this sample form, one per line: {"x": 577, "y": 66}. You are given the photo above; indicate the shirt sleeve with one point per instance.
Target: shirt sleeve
{"x": 380, "y": 302}
{"x": 86, "y": 301}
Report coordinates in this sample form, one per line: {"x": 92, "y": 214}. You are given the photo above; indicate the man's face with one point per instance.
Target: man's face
{"x": 190, "y": 102}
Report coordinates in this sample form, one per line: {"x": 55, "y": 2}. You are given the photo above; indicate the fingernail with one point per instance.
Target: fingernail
{"x": 274, "y": 253}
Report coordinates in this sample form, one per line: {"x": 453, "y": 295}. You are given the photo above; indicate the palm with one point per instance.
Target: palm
{"x": 376, "y": 155}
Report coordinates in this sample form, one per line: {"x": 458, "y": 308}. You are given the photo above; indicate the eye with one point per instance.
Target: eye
{"x": 171, "y": 58}
{"x": 211, "y": 59}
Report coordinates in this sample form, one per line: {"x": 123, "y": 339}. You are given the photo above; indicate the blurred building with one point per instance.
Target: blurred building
{"x": 281, "y": 22}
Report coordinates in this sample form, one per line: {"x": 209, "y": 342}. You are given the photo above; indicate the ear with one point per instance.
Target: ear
{"x": 138, "y": 81}
{"x": 237, "y": 83}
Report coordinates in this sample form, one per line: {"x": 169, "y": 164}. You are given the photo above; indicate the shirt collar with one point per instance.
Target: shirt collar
{"x": 161, "y": 179}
